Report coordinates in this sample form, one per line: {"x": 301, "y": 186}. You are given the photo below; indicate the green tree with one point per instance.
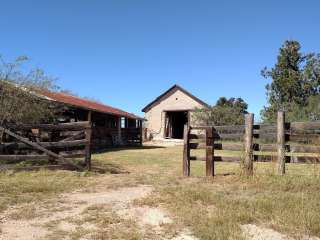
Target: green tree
{"x": 20, "y": 91}
{"x": 295, "y": 77}
{"x": 226, "y": 112}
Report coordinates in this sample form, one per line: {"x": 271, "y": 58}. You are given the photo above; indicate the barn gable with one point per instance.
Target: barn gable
{"x": 169, "y": 93}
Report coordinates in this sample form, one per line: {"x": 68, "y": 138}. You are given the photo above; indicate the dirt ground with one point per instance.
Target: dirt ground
{"x": 70, "y": 215}
{"x": 143, "y": 196}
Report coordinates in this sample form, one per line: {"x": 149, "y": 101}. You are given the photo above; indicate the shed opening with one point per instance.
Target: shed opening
{"x": 175, "y": 121}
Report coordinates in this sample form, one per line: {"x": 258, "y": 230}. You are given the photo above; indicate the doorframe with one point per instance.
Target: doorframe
{"x": 173, "y": 110}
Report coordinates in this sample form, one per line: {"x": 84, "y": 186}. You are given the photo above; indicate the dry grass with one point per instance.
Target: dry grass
{"x": 212, "y": 209}
{"x": 215, "y": 209}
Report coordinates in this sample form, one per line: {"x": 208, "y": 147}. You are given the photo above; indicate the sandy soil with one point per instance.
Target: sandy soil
{"x": 71, "y": 206}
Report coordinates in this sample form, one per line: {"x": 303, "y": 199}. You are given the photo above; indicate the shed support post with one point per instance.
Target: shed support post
{"x": 88, "y": 133}
{"x": 119, "y": 131}
{"x": 140, "y": 131}
{"x": 186, "y": 152}
{"x": 248, "y": 157}
{"x": 281, "y": 143}
{"x": 209, "y": 152}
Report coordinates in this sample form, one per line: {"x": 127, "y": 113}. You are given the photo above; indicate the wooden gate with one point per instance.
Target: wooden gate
{"x": 58, "y": 144}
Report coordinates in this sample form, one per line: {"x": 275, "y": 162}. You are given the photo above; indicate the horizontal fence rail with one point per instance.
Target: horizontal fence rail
{"x": 295, "y": 142}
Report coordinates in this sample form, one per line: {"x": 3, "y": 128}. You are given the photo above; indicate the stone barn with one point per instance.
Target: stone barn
{"x": 167, "y": 114}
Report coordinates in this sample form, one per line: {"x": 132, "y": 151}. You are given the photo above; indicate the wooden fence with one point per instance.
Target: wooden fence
{"x": 294, "y": 142}
{"x": 57, "y": 144}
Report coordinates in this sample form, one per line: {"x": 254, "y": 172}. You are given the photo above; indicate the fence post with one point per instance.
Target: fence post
{"x": 281, "y": 143}
{"x": 88, "y": 133}
{"x": 186, "y": 151}
{"x": 248, "y": 163}
{"x": 209, "y": 152}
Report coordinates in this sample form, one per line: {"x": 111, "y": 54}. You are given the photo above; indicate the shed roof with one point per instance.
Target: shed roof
{"x": 168, "y": 93}
{"x": 87, "y": 104}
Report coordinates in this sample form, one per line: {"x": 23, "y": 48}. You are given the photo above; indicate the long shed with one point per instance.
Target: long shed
{"x": 110, "y": 126}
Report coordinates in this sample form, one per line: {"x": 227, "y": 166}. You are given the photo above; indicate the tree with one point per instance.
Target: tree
{"x": 295, "y": 77}
{"x": 20, "y": 91}
{"x": 226, "y": 112}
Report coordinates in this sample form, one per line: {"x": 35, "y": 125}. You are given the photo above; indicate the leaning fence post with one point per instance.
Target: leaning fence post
{"x": 209, "y": 152}
{"x": 248, "y": 163}
{"x": 281, "y": 143}
{"x": 186, "y": 151}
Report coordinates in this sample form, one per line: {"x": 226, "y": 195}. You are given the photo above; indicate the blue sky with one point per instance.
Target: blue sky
{"x": 126, "y": 52}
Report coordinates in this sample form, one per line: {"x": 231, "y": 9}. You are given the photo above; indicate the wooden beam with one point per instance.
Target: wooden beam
{"x": 209, "y": 152}
{"x": 186, "y": 152}
{"x": 248, "y": 158}
{"x": 88, "y": 133}
{"x": 281, "y": 143}
{"x": 60, "y": 126}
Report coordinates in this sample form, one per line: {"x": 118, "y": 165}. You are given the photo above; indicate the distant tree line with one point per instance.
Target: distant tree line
{"x": 225, "y": 111}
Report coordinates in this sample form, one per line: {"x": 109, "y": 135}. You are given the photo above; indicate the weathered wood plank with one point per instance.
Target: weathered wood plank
{"x": 209, "y": 152}
{"x": 197, "y": 145}
{"x": 229, "y": 146}
{"x": 88, "y": 135}
{"x": 186, "y": 151}
{"x": 298, "y": 126}
{"x": 60, "y": 126}
{"x": 17, "y": 158}
{"x": 48, "y": 145}
{"x": 198, "y": 158}
{"x": 197, "y": 136}
{"x": 227, "y": 158}
{"x": 248, "y": 156}
{"x": 281, "y": 143}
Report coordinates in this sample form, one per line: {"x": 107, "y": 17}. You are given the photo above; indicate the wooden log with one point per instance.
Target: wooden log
{"x": 186, "y": 151}
{"x": 19, "y": 158}
{"x": 197, "y": 145}
{"x": 248, "y": 157}
{"x": 229, "y": 146}
{"x": 298, "y": 126}
{"x": 227, "y": 158}
{"x": 198, "y": 158}
{"x": 88, "y": 133}
{"x": 76, "y": 136}
{"x": 209, "y": 152}
{"x": 304, "y": 149}
{"x": 73, "y": 154}
{"x": 56, "y": 127}
{"x": 217, "y": 158}
{"x": 197, "y": 136}
{"x": 281, "y": 143}
{"x": 47, "y": 145}
{"x": 228, "y": 136}
{"x": 4, "y": 168}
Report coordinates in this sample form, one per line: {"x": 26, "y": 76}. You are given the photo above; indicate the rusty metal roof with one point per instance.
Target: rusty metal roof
{"x": 87, "y": 104}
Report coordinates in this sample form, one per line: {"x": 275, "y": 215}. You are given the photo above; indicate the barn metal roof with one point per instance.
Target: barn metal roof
{"x": 87, "y": 104}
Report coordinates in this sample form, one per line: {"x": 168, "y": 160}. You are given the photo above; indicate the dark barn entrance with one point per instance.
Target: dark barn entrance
{"x": 175, "y": 121}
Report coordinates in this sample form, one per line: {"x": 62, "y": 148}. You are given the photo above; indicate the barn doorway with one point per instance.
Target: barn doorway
{"x": 175, "y": 121}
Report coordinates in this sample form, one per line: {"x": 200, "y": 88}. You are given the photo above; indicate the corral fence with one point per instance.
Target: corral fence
{"x": 295, "y": 142}
{"x": 57, "y": 145}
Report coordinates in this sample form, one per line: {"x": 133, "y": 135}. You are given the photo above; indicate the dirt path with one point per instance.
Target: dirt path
{"x": 94, "y": 215}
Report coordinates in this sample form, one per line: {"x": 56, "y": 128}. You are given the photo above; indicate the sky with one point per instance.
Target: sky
{"x": 127, "y": 52}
